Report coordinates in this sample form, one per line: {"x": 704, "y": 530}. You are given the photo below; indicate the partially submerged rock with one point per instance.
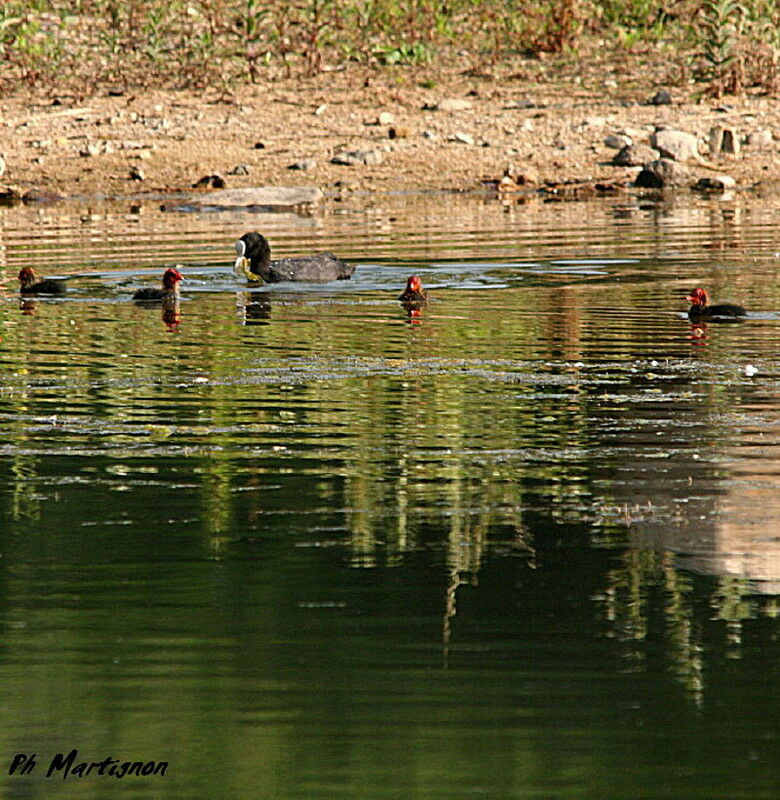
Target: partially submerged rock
{"x": 264, "y": 197}
{"x": 661, "y": 174}
{"x": 714, "y": 183}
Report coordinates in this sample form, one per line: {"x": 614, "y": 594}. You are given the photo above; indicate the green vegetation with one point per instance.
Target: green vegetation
{"x": 84, "y": 44}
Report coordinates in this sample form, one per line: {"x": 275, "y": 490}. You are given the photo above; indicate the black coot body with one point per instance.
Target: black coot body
{"x": 254, "y": 261}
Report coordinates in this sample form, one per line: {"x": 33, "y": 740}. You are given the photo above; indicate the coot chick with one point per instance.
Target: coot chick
{"x": 31, "y": 285}
{"x": 169, "y": 291}
{"x": 700, "y": 308}
{"x": 414, "y": 294}
{"x": 254, "y": 261}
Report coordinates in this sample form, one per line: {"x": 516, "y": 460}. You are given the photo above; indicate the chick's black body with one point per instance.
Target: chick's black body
{"x": 168, "y": 293}
{"x": 29, "y": 283}
{"x": 254, "y": 261}
{"x": 702, "y": 310}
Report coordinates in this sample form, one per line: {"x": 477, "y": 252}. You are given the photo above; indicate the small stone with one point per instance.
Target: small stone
{"x": 453, "y": 104}
{"x": 714, "y": 183}
{"x": 660, "y": 98}
{"x": 133, "y": 116}
{"x": 240, "y": 169}
{"x": 214, "y": 181}
{"x": 90, "y": 151}
{"x": 463, "y": 138}
{"x": 304, "y": 164}
{"x": 385, "y": 118}
{"x": 677, "y": 145}
{"x": 2, "y": 166}
{"x": 143, "y": 155}
{"x": 635, "y": 155}
{"x": 320, "y": 110}
{"x": 594, "y": 122}
{"x": 761, "y": 140}
{"x": 352, "y": 158}
{"x": 662, "y": 173}
{"x": 723, "y": 140}
{"x": 136, "y": 173}
{"x": 398, "y": 132}
{"x": 522, "y": 103}
{"x": 429, "y": 135}
{"x": 259, "y": 146}
{"x": 108, "y": 147}
{"x": 750, "y": 370}
{"x": 617, "y": 141}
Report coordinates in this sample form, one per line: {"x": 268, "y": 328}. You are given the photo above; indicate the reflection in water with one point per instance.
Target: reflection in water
{"x": 321, "y": 532}
{"x": 254, "y": 308}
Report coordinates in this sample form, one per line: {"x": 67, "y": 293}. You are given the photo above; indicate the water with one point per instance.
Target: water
{"x": 300, "y": 544}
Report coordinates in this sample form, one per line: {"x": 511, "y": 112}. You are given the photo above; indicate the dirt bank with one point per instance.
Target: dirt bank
{"x": 550, "y": 126}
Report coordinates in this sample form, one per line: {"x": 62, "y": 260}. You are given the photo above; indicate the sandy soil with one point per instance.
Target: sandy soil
{"x": 549, "y": 128}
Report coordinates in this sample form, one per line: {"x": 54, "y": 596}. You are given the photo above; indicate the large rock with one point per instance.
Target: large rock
{"x": 635, "y": 155}
{"x": 677, "y": 145}
{"x": 661, "y": 174}
{"x": 268, "y": 197}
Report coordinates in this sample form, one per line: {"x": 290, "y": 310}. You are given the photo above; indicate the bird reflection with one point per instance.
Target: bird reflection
{"x": 256, "y": 310}
{"x": 698, "y": 334}
{"x": 171, "y": 315}
{"x": 28, "y": 307}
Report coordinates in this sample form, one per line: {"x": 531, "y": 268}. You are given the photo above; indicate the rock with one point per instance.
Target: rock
{"x": 136, "y": 173}
{"x": 677, "y": 145}
{"x": 429, "y": 135}
{"x": 41, "y": 196}
{"x": 352, "y": 158}
{"x": 617, "y": 141}
{"x": 259, "y": 146}
{"x": 463, "y": 138}
{"x": 2, "y": 166}
{"x": 385, "y": 118}
{"x": 723, "y": 140}
{"x": 240, "y": 169}
{"x": 398, "y": 132}
{"x": 10, "y": 193}
{"x": 761, "y": 140}
{"x": 514, "y": 176}
{"x": 303, "y": 164}
{"x": 265, "y": 197}
{"x": 594, "y": 122}
{"x": 715, "y": 183}
{"x": 453, "y": 104}
{"x": 143, "y": 155}
{"x": 90, "y": 151}
{"x": 523, "y": 103}
{"x": 660, "y": 98}
{"x": 662, "y": 173}
{"x": 635, "y": 155}
{"x": 209, "y": 182}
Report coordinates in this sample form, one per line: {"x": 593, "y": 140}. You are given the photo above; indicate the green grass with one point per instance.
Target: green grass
{"x": 83, "y": 44}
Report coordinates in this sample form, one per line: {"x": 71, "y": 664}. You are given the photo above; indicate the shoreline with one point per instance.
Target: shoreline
{"x": 462, "y": 135}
